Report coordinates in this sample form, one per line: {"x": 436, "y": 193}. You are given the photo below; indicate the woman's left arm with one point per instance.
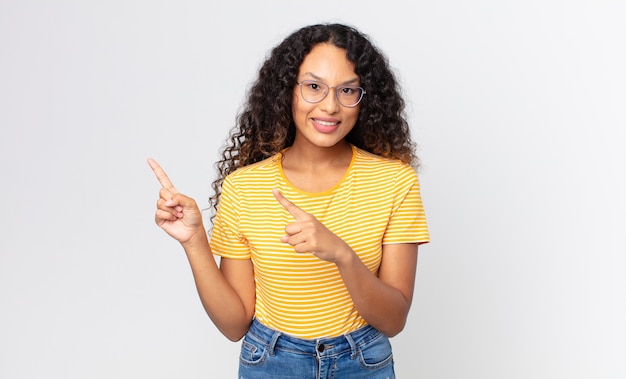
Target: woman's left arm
{"x": 383, "y": 301}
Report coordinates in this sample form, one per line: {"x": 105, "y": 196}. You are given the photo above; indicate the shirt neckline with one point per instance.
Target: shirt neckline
{"x": 326, "y": 192}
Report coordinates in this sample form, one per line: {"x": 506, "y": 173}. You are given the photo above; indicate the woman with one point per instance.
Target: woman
{"x": 319, "y": 214}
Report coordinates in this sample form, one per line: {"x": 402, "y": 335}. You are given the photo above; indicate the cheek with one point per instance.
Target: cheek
{"x": 295, "y": 108}
{"x": 354, "y": 114}
{"x": 300, "y": 109}
{"x": 295, "y": 104}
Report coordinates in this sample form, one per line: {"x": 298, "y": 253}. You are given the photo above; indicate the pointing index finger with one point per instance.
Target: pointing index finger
{"x": 161, "y": 175}
{"x": 289, "y": 206}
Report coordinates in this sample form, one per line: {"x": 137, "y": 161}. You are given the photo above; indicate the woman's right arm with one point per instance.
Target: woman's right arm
{"x": 227, "y": 292}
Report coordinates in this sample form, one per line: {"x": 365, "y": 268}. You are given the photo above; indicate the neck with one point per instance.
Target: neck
{"x": 315, "y": 157}
{"x": 316, "y": 169}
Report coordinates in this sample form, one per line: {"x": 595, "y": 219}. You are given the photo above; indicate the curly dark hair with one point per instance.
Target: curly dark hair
{"x": 265, "y": 126}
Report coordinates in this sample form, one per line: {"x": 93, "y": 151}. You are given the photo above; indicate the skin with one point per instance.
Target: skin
{"x": 227, "y": 292}
{"x": 320, "y": 155}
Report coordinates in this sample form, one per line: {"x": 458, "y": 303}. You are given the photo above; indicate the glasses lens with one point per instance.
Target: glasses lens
{"x": 349, "y": 96}
{"x": 312, "y": 91}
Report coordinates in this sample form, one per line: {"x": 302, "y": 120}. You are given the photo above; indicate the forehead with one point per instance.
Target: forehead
{"x": 327, "y": 62}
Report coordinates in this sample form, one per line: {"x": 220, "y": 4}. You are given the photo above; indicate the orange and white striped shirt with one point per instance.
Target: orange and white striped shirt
{"x": 377, "y": 202}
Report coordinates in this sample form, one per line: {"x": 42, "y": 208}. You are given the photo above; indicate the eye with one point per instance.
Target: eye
{"x": 313, "y": 86}
{"x": 347, "y": 90}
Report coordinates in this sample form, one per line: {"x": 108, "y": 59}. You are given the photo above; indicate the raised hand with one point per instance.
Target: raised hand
{"x": 308, "y": 234}
{"x": 176, "y": 213}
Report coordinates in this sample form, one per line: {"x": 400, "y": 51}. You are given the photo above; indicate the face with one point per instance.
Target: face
{"x": 326, "y": 123}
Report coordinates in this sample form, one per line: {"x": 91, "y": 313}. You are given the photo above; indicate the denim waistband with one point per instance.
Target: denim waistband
{"x": 276, "y": 340}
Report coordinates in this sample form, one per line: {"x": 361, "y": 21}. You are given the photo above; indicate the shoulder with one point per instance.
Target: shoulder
{"x": 380, "y": 166}
{"x": 256, "y": 170}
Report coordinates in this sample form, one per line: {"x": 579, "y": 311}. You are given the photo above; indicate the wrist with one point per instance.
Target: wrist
{"x": 197, "y": 239}
{"x": 345, "y": 256}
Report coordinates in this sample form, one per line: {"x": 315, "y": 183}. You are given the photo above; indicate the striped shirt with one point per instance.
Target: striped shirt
{"x": 377, "y": 202}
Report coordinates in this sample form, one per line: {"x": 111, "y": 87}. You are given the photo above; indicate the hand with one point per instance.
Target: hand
{"x": 308, "y": 234}
{"x": 176, "y": 213}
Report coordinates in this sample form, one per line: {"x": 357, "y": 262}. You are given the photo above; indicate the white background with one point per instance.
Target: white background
{"x": 519, "y": 111}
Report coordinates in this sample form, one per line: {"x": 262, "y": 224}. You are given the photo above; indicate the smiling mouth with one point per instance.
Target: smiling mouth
{"x": 326, "y": 123}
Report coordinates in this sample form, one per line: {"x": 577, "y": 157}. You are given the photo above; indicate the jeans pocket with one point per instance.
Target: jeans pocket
{"x": 376, "y": 353}
{"x": 252, "y": 352}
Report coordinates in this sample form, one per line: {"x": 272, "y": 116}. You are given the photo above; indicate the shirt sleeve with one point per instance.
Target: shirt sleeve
{"x": 407, "y": 222}
{"x": 226, "y": 238}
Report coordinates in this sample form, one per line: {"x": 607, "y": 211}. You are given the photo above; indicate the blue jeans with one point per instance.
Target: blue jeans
{"x": 267, "y": 353}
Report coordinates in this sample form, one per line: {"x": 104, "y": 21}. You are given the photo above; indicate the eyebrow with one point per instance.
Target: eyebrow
{"x": 347, "y": 82}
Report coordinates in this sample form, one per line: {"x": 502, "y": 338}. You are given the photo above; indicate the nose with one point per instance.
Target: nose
{"x": 330, "y": 104}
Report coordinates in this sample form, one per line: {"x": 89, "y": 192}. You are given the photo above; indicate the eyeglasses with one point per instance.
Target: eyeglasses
{"x": 314, "y": 92}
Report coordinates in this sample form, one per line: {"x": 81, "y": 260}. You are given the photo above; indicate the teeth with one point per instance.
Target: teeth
{"x": 326, "y": 123}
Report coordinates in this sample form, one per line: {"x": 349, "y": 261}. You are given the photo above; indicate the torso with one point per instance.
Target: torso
{"x": 374, "y": 202}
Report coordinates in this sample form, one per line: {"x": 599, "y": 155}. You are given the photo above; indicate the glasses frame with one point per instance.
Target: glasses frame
{"x": 337, "y": 88}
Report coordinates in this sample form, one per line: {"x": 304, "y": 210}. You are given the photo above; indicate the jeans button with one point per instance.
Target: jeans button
{"x": 321, "y": 347}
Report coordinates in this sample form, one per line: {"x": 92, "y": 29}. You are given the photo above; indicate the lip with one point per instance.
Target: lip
{"x": 325, "y": 125}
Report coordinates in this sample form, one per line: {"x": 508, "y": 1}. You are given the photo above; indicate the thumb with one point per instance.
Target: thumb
{"x": 180, "y": 202}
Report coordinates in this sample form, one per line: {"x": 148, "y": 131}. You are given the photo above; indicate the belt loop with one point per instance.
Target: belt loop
{"x": 273, "y": 341}
{"x": 352, "y": 345}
